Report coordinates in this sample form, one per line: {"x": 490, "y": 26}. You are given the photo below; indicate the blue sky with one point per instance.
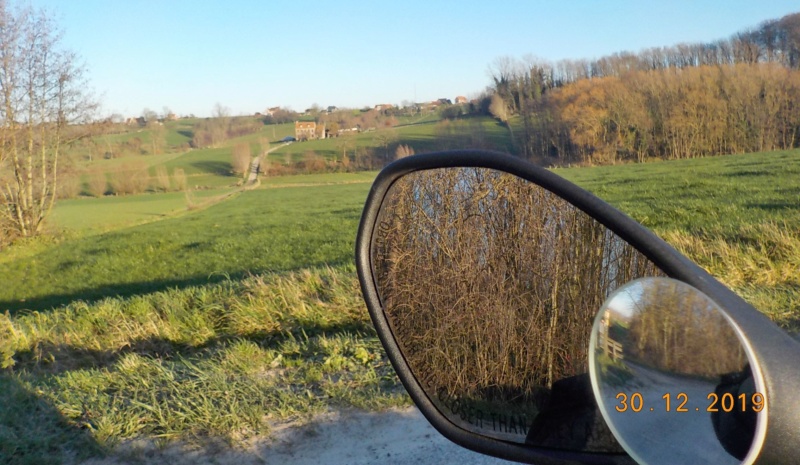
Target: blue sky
{"x": 252, "y": 54}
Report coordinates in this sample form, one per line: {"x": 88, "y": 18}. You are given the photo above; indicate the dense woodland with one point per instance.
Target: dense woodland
{"x": 730, "y": 96}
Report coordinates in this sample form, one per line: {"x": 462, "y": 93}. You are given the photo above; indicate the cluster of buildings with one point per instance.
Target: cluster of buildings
{"x": 306, "y": 130}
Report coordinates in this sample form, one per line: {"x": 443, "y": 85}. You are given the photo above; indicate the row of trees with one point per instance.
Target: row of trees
{"x": 221, "y": 127}
{"x": 677, "y": 113}
{"x": 732, "y": 95}
{"x": 677, "y": 329}
{"x": 775, "y": 41}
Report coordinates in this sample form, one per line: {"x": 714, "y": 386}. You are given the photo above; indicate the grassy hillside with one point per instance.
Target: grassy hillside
{"x": 423, "y": 135}
{"x": 259, "y": 231}
{"x": 126, "y": 151}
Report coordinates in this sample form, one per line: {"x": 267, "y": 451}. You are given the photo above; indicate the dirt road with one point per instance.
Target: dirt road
{"x": 352, "y": 438}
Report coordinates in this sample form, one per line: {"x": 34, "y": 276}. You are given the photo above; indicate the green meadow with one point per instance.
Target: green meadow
{"x": 216, "y": 314}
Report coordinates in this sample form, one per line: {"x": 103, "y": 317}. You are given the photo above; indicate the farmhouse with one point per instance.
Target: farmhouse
{"x": 305, "y": 130}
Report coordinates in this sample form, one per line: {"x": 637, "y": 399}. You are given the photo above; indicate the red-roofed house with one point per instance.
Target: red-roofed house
{"x": 305, "y": 130}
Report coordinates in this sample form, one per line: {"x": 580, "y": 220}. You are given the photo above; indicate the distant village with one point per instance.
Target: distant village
{"x": 307, "y": 130}
{"x": 318, "y": 122}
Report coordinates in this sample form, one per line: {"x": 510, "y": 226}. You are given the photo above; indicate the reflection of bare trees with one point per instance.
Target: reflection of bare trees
{"x": 491, "y": 284}
{"x": 675, "y": 328}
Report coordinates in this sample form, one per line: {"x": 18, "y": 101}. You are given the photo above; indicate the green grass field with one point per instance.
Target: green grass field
{"x": 102, "y": 214}
{"x": 256, "y": 232}
{"x": 221, "y": 321}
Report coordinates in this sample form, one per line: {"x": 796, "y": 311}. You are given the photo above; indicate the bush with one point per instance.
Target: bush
{"x": 96, "y": 184}
{"x": 313, "y": 163}
{"x": 240, "y": 159}
{"x": 128, "y": 181}
{"x": 162, "y": 179}
{"x": 68, "y": 188}
{"x": 179, "y": 178}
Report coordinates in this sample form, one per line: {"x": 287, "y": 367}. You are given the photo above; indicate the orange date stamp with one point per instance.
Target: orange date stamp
{"x": 726, "y": 402}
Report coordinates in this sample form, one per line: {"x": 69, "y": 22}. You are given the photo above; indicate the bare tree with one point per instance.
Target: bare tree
{"x": 240, "y": 158}
{"x": 499, "y": 110}
{"x": 44, "y": 106}
{"x": 403, "y": 151}
{"x": 384, "y": 139}
{"x": 150, "y": 116}
{"x": 180, "y": 180}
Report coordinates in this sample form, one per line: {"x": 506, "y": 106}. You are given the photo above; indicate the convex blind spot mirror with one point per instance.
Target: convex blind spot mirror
{"x": 672, "y": 376}
{"x": 483, "y": 275}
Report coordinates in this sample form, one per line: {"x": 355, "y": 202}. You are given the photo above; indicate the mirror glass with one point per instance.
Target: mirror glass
{"x": 490, "y": 285}
{"x": 672, "y": 377}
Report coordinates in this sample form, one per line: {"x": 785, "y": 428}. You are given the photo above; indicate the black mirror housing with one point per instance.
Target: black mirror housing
{"x": 775, "y": 353}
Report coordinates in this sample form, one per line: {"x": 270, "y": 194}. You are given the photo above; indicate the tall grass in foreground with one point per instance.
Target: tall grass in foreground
{"x": 222, "y": 360}
{"x": 762, "y": 265}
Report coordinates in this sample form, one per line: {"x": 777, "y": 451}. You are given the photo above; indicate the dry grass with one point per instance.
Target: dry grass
{"x": 764, "y": 254}
{"x": 761, "y": 262}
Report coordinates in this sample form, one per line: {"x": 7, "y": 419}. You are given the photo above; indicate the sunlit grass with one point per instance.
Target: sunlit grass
{"x": 738, "y": 216}
{"x": 223, "y": 360}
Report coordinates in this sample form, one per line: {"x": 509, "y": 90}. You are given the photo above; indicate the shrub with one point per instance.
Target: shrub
{"x": 240, "y": 158}
{"x": 97, "y": 184}
{"x": 179, "y": 178}
{"x": 129, "y": 180}
{"x": 162, "y": 178}
{"x": 68, "y": 188}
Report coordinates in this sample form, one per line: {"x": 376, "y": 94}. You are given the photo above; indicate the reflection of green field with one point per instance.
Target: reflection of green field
{"x": 619, "y": 331}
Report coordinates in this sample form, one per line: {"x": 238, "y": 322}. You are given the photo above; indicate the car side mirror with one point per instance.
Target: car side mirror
{"x": 483, "y": 275}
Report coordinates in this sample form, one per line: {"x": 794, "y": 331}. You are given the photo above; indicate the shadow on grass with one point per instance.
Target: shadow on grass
{"x": 124, "y": 290}
{"x": 32, "y": 431}
{"x": 219, "y": 168}
{"x": 50, "y": 301}
{"x": 64, "y": 357}
{"x": 774, "y": 206}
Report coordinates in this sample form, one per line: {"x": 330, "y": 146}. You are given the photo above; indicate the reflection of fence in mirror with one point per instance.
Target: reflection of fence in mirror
{"x": 491, "y": 284}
